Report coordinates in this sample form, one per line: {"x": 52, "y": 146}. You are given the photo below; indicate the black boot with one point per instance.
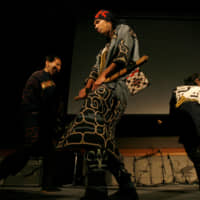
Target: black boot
{"x": 194, "y": 155}
{"x": 127, "y": 189}
{"x": 96, "y": 188}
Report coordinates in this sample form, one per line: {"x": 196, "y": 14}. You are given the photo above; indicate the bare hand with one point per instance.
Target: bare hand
{"x": 82, "y": 93}
{"x": 98, "y": 82}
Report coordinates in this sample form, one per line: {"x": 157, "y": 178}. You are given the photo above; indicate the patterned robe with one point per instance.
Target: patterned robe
{"x": 95, "y": 125}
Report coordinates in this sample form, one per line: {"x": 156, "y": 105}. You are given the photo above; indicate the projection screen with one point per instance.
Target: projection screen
{"x": 173, "y": 49}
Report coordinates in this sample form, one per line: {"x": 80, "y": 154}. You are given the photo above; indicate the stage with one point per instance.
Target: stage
{"x": 69, "y": 192}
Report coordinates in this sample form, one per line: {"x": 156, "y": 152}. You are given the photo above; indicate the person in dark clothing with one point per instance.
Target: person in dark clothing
{"x": 38, "y": 112}
{"x": 185, "y": 117}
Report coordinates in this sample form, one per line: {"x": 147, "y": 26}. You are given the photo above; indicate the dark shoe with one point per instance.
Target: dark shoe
{"x": 96, "y": 188}
{"x": 95, "y": 193}
{"x": 125, "y": 195}
{"x": 50, "y": 189}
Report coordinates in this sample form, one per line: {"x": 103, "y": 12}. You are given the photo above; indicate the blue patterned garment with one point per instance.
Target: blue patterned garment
{"x": 95, "y": 124}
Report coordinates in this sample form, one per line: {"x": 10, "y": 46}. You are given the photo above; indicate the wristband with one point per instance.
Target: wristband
{"x": 87, "y": 90}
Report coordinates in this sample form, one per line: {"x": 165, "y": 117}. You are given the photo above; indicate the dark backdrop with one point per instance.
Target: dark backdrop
{"x": 33, "y": 30}
{"x": 172, "y": 44}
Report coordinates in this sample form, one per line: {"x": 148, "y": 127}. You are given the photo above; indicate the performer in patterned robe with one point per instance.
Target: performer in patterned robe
{"x": 93, "y": 129}
{"x": 185, "y": 115}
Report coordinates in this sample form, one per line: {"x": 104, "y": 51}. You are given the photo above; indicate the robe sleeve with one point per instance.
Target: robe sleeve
{"x": 125, "y": 46}
{"x": 93, "y": 73}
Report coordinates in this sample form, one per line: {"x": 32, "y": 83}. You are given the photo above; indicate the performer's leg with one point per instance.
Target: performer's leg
{"x": 194, "y": 155}
{"x": 96, "y": 185}
{"x": 127, "y": 189}
{"x": 47, "y": 150}
{"x": 14, "y": 162}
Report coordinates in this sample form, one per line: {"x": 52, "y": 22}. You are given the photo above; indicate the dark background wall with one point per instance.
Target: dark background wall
{"x": 172, "y": 44}
{"x": 33, "y": 30}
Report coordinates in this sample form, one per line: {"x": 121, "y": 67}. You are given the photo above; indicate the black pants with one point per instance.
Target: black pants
{"x": 193, "y": 152}
{"x": 188, "y": 120}
{"x": 16, "y": 161}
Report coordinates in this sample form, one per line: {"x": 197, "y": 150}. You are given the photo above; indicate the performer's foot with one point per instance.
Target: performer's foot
{"x": 130, "y": 194}
{"x": 50, "y": 189}
{"x": 92, "y": 198}
{"x": 95, "y": 193}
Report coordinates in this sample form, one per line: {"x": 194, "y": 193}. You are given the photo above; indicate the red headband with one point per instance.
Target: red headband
{"x": 104, "y": 14}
